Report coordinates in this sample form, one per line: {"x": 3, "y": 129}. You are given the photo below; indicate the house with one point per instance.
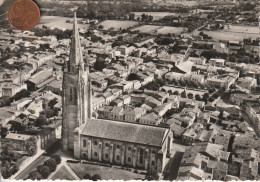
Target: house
{"x": 117, "y": 102}
{"x": 174, "y": 99}
{"x": 10, "y": 89}
{"x": 20, "y": 104}
{"x": 217, "y": 62}
{"x": 162, "y": 109}
{"x": 204, "y": 118}
{"x": 150, "y": 119}
{"x": 221, "y": 81}
{"x": 7, "y": 114}
{"x": 108, "y": 96}
{"x": 98, "y": 102}
{"x": 197, "y": 60}
{"x": 17, "y": 141}
{"x": 138, "y": 98}
{"x": 40, "y": 80}
{"x": 117, "y": 113}
{"x": 248, "y": 83}
{"x": 55, "y": 86}
{"x": 152, "y": 102}
{"x": 134, "y": 114}
{"x": 35, "y": 107}
{"x": 104, "y": 112}
{"x": 126, "y": 99}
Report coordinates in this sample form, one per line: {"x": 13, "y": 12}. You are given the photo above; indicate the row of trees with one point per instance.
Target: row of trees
{"x": 5, "y": 101}
{"x": 186, "y": 83}
{"x": 43, "y": 171}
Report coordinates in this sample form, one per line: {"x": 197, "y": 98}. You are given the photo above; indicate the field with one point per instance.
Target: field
{"x": 153, "y": 29}
{"x": 118, "y": 24}
{"x": 235, "y": 32}
{"x": 156, "y": 15}
{"x": 59, "y": 22}
{"x": 106, "y": 173}
{"x": 62, "y": 174}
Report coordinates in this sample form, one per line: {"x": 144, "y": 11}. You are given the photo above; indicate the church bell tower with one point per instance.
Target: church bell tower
{"x": 76, "y": 91}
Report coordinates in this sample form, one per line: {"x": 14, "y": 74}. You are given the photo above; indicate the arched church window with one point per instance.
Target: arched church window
{"x": 117, "y": 157}
{"x": 70, "y": 94}
{"x": 84, "y": 143}
{"x": 75, "y": 95}
{"x": 84, "y": 156}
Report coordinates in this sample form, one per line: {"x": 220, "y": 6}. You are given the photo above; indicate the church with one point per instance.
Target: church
{"x": 105, "y": 141}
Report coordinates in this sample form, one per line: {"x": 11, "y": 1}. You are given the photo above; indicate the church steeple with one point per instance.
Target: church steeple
{"x": 76, "y": 58}
{"x": 76, "y": 88}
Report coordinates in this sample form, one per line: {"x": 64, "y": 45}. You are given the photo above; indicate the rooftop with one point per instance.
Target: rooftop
{"x": 127, "y": 132}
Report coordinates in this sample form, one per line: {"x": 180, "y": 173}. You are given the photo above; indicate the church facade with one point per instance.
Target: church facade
{"x": 105, "y": 141}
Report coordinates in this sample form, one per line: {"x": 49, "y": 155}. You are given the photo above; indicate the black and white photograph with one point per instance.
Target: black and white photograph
{"x": 130, "y": 90}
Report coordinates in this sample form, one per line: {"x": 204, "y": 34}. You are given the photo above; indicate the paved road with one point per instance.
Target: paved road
{"x": 32, "y": 167}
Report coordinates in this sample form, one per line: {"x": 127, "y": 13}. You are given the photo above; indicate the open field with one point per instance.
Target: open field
{"x": 58, "y": 22}
{"x": 62, "y": 174}
{"x": 153, "y": 29}
{"x": 235, "y": 32}
{"x": 106, "y": 173}
{"x": 225, "y": 35}
{"x": 157, "y": 15}
{"x": 116, "y": 24}
{"x": 244, "y": 29}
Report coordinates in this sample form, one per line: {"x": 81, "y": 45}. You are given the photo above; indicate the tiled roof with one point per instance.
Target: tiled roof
{"x": 127, "y": 132}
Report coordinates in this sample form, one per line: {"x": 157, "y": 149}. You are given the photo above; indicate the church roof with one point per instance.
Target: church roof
{"x": 126, "y": 132}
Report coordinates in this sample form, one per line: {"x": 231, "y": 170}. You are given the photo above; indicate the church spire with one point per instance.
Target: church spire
{"x": 76, "y": 59}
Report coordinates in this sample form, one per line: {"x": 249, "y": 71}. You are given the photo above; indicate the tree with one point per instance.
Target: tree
{"x": 176, "y": 93}
{"x": 35, "y": 175}
{"x": 52, "y": 103}
{"x": 150, "y": 18}
{"x": 51, "y": 164}
{"x": 183, "y": 94}
{"x": 48, "y": 112}
{"x": 221, "y": 115}
{"x": 41, "y": 120}
{"x": 190, "y": 96}
{"x": 143, "y": 16}
{"x": 133, "y": 76}
{"x": 99, "y": 65}
{"x": 44, "y": 171}
{"x": 17, "y": 126}
{"x": 57, "y": 158}
{"x": 96, "y": 177}
{"x": 197, "y": 97}
{"x": 87, "y": 176}
{"x": 22, "y": 94}
{"x": 211, "y": 90}
{"x": 31, "y": 146}
{"x": 151, "y": 175}
{"x": 100, "y": 27}
{"x": 131, "y": 16}
{"x": 205, "y": 97}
